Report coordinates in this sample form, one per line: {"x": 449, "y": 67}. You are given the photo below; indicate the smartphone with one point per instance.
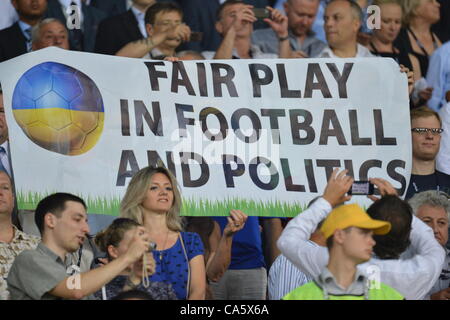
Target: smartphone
{"x": 196, "y": 36}
{"x": 261, "y": 13}
{"x": 361, "y": 188}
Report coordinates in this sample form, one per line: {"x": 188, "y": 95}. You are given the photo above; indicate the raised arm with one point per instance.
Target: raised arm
{"x": 91, "y": 281}
{"x": 279, "y": 24}
{"x": 413, "y": 276}
{"x": 139, "y": 48}
{"x": 242, "y": 17}
{"x": 293, "y": 242}
{"x": 220, "y": 257}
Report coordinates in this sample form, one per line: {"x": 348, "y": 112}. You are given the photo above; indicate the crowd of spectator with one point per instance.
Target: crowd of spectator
{"x": 327, "y": 251}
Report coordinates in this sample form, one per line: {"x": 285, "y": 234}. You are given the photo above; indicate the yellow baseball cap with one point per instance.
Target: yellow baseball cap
{"x": 352, "y": 215}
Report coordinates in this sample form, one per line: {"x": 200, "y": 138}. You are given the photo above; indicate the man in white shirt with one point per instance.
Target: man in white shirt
{"x": 117, "y": 31}
{"x": 342, "y": 23}
{"x": 235, "y": 24}
{"x": 412, "y": 275}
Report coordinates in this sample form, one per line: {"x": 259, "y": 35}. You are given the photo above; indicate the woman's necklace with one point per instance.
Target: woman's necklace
{"x": 164, "y": 245}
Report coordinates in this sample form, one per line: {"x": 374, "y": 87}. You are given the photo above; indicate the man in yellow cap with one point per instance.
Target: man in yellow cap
{"x": 348, "y": 230}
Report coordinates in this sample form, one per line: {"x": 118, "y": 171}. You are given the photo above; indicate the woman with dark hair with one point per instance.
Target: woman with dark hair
{"x": 217, "y": 245}
{"x": 114, "y": 241}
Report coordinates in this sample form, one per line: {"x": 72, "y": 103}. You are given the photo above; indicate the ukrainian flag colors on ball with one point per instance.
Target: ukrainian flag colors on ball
{"x": 59, "y": 108}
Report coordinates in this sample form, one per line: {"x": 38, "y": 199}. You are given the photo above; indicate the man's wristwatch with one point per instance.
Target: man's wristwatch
{"x": 283, "y": 38}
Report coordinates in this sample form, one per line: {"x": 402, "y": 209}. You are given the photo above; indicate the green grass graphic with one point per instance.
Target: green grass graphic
{"x": 191, "y": 207}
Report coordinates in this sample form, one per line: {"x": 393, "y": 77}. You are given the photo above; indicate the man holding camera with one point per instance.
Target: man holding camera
{"x": 235, "y": 24}
{"x": 348, "y": 230}
{"x": 47, "y": 273}
{"x": 408, "y": 258}
{"x": 166, "y": 31}
{"x": 301, "y": 15}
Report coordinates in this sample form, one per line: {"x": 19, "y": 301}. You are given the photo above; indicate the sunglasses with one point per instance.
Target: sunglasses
{"x": 422, "y": 131}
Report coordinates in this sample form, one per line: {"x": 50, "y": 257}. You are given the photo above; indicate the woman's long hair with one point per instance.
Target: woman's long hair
{"x": 131, "y": 205}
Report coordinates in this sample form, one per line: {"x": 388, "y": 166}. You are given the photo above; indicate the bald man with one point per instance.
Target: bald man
{"x": 342, "y": 21}
{"x": 301, "y": 15}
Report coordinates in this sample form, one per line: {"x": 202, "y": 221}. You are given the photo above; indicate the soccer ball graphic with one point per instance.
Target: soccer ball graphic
{"x": 59, "y": 108}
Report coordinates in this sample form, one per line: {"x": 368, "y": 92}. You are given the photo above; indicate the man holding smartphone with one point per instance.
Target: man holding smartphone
{"x": 235, "y": 24}
{"x": 408, "y": 258}
{"x": 166, "y": 31}
{"x": 48, "y": 272}
{"x": 301, "y": 15}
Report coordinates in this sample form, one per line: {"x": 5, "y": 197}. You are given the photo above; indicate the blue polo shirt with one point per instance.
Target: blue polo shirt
{"x": 246, "y": 250}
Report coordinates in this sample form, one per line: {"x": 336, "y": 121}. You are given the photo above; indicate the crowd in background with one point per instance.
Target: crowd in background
{"x": 150, "y": 252}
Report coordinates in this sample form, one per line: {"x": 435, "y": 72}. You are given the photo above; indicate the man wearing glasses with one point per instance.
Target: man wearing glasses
{"x": 166, "y": 31}
{"x": 426, "y": 132}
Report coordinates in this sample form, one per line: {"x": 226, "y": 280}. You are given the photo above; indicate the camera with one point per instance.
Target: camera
{"x": 261, "y": 13}
{"x": 196, "y": 36}
{"x": 152, "y": 246}
{"x": 361, "y": 188}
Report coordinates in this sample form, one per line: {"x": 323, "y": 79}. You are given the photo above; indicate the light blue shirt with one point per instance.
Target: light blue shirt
{"x": 317, "y": 26}
{"x": 140, "y": 19}
{"x": 284, "y": 277}
{"x": 23, "y": 27}
{"x": 438, "y": 76}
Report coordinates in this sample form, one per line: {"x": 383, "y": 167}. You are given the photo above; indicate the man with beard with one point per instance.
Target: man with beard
{"x": 426, "y": 129}
{"x": 16, "y": 40}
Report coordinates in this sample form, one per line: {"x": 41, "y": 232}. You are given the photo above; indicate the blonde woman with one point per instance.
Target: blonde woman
{"x": 416, "y": 37}
{"x": 153, "y": 200}
{"x": 382, "y": 42}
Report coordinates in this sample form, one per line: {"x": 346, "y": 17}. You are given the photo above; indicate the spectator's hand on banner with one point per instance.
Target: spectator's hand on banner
{"x": 410, "y": 76}
{"x": 384, "y": 187}
{"x": 337, "y": 188}
{"x": 172, "y": 59}
{"x": 236, "y": 222}
{"x": 278, "y": 22}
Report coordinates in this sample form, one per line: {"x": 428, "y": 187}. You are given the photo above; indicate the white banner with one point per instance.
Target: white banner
{"x": 259, "y": 135}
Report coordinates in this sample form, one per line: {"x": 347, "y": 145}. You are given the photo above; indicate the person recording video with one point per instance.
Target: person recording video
{"x": 166, "y": 31}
